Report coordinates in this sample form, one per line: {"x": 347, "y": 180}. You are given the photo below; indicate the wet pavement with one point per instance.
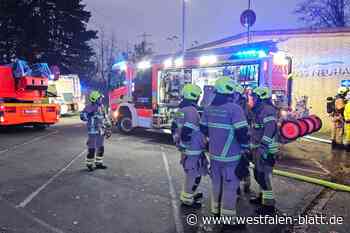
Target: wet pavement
{"x": 317, "y": 160}
{"x": 44, "y": 186}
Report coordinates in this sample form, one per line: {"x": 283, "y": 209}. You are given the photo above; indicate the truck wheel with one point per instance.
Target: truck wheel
{"x": 125, "y": 125}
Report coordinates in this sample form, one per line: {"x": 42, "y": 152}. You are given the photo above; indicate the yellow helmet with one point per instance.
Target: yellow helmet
{"x": 191, "y": 92}
{"x": 225, "y": 85}
{"x": 262, "y": 92}
{"x": 94, "y": 96}
{"x": 343, "y": 90}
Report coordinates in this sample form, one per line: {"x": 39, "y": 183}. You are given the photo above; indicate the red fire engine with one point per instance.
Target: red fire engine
{"x": 22, "y": 91}
{"x": 147, "y": 94}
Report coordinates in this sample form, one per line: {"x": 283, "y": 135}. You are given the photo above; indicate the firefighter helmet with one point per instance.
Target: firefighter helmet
{"x": 191, "y": 92}
{"x": 262, "y": 92}
{"x": 95, "y": 96}
{"x": 225, "y": 85}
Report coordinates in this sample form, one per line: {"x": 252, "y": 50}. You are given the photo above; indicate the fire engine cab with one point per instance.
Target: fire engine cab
{"x": 147, "y": 94}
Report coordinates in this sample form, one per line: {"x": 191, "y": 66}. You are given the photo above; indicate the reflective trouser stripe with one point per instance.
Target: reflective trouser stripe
{"x": 187, "y": 198}
{"x": 268, "y": 198}
{"x": 267, "y": 140}
{"x": 225, "y": 212}
{"x": 99, "y": 159}
{"x": 214, "y": 207}
{"x": 90, "y": 161}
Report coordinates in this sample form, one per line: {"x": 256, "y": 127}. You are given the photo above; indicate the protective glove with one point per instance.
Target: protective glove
{"x": 108, "y": 133}
{"x": 268, "y": 159}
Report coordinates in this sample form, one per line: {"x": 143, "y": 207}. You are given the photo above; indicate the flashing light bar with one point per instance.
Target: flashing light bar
{"x": 208, "y": 60}
{"x": 144, "y": 65}
{"x": 179, "y": 62}
{"x": 120, "y": 65}
{"x": 251, "y": 54}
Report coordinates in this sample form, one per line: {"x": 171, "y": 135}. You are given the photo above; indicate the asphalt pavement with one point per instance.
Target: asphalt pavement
{"x": 45, "y": 187}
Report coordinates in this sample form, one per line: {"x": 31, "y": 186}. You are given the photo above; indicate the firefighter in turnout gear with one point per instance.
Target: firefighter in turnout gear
{"x": 191, "y": 143}
{"x": 240, "y": 99}
{"x": 346, "y": 140}
{"x": 99, "y": 127}
{"x": 337, "y": 115}
{"x": 225, "y": 125}
{"x": 264, "y": 147}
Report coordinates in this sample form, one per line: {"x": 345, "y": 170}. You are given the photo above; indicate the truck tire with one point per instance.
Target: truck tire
{"x": 125, "y": 125}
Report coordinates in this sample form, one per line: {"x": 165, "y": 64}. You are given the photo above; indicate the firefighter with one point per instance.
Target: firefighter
{"x": 337, "y": 116}
{"x": 264, "y": 147}
{"x": 347, "y": 124}
{"x": 191, "y": 143}
{"x": 224, "y": 123}
{"x": 240, "y": 98}
{"x": 99, "y": 127}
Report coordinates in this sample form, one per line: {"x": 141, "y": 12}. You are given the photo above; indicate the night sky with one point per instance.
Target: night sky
{"x": 207, "y": 20}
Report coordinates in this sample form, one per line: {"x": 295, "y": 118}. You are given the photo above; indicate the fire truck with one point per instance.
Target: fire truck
{"x": 147, "y": 94}
{"x": 23, "y": 90}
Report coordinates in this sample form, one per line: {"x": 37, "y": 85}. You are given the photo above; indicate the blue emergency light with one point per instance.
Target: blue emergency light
{"x": 345, "y": 83}
{"x": 251, "y": 54}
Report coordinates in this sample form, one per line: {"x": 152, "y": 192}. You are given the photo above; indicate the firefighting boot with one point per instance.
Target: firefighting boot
{"x": 90, "y": 158}
{"x": 188, "y": 200}
{"x": 198, "y": 197}
{"x": 256, "y": 200}
{"x": 99, "y": 159}
{"x": 347, "y": 148}
{"x": 232, "y": 221}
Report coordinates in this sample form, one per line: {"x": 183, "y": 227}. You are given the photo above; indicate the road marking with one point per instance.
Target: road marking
{"x": 176, "y": 211}
{"x": 28, "y": 142}
{"x": 33, "y": 218}
{"x": 41, "y": 188}
{"x": 321, "y": 166}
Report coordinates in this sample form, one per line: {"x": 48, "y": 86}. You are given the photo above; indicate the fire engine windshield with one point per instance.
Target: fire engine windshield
{"x": 117, "y": 79}
{"x": 247, "y": 75}
{"x": 142, "y": 88}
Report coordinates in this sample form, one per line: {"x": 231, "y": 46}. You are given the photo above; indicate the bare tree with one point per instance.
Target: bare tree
{"x": 106, "y": 52}
{"x": 324, "y": 13}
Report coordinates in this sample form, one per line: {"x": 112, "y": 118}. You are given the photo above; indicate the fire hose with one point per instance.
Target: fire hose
{"x": 324, "y": 183}
{"x": 328, "y": 184}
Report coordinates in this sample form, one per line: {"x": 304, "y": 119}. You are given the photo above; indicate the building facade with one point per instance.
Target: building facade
{"x": 321, "y": 61}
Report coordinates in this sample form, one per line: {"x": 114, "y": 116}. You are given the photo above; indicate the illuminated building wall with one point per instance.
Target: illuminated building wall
{"x": 321, "y": 60}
